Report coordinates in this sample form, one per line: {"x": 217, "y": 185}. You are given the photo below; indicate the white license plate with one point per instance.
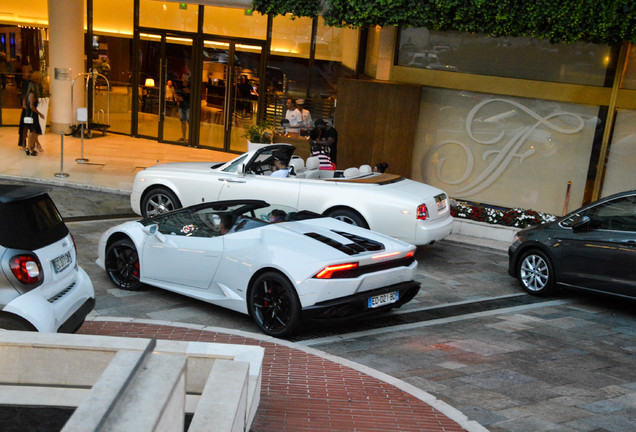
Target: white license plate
{"x": 383, "y": 299}
{"x": 61, "y": 262}
{"x": 441, "y": 202}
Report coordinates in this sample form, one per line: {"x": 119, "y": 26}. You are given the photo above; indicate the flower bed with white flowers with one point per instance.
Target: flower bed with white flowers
{"x": 518, "y": 218}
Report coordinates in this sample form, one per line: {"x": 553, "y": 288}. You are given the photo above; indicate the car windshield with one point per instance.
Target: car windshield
{"x": 30, "y": 223}
{"x": 213, "y": 221}
{"x": 234, "y": 165}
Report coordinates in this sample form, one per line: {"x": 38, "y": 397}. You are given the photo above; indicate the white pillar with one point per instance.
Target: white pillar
{"x": 66, "y": 48}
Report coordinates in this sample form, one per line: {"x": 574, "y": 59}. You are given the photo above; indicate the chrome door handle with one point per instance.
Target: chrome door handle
{"x": 231, "y": 180}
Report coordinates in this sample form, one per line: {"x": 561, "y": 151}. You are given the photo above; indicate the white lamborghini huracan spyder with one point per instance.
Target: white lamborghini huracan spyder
{"x": 272, "y": 262}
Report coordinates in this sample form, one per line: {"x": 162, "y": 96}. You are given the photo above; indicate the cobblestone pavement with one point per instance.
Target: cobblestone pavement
{"x": 564, "y": 364}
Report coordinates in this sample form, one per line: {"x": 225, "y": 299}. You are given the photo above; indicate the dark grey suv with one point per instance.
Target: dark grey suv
{"x": 41, "y": 285}
{"x": 592, "y": 248}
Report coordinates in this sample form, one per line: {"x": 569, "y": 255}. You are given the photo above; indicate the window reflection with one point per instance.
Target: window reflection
{"x": 519, "y": 57}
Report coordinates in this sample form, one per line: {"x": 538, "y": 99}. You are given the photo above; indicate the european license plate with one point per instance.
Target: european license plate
{"x": 383, "y": 299}
{"x": 61, "y": 262}
{"x": 441, "y": 202}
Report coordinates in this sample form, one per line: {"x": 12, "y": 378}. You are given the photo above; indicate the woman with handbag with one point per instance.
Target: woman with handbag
{"x": 31, "y": 120}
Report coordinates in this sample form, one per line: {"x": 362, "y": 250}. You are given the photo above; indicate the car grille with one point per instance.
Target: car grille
{"x": 358, "y": 244}
{"x": 61, "y": 294}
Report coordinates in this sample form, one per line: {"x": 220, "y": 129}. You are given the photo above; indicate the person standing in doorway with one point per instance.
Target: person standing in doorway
{"x": 183, "y": 102}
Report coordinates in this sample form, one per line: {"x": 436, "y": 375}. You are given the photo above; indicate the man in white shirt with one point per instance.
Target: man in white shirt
{"x": 280, "y": 164}
{"x": 305, "y": 115}
{"x": 294, "y": 117}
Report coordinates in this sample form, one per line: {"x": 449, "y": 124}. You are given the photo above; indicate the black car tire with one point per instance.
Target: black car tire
{"x": 535, "y": 273}
{"x": 159, "y": 200}
{"x": 122, "y": 265}
{"x": 349, "y": 216}
{"x": 273, "y": 304}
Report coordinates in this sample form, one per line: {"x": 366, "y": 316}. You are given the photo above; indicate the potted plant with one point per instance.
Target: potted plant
{"x": 258, "y": 134}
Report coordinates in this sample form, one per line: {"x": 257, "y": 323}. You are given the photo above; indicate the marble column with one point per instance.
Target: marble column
{"x": 66, "y": 50}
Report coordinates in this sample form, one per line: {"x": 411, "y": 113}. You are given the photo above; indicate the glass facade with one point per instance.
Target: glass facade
{"x": 234, "y": 22}
{"x": 168, "y": 15}
{"x": 291, "y": 37}
{"x": 621, "y": 160}
{"x": 504, "y": 151}
{"x": 525, "y": 58}
{"x": 112, "y": 57}
{"x": 629, "y": 78}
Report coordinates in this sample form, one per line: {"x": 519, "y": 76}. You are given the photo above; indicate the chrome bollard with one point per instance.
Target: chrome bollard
{"x": 82, "y": 159}
{"x": 61, "y": 173}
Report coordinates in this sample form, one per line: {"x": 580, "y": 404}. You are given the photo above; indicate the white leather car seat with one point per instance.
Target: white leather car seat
{"x": 298, "y": 164}
{"x": 365, "y": 169}
{"x": 313, "y": 167}
{"x": 352, "y": 172}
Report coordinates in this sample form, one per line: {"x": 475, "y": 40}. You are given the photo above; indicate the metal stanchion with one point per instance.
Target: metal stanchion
{"x": 82, "y": 159}
{"x": 61, "y": 173}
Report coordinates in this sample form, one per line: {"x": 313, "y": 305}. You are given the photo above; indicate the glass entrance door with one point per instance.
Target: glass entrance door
{"x": 229, "y": 94}
{"x": 177, "y": 81}
{"x": 165, "y": 79}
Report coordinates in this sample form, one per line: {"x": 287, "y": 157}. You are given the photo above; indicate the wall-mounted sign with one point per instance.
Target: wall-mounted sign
{"x": 62, "y": 74}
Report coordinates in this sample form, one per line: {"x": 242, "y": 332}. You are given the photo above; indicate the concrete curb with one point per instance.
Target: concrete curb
{"x": 62, "y": 183}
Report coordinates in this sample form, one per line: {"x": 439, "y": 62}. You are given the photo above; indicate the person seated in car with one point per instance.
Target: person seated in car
{"x": 277, "y": 215}
{"x": 227, "y": 221}
{"x": 281, "y": 165}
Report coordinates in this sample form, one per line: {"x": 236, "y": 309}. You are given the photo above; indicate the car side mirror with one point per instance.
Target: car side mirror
{"x": 150, "y": 229}
{"x": 153, "y": 230}
{"x": 582, "y": 223}
{"x": 240, "y": 170}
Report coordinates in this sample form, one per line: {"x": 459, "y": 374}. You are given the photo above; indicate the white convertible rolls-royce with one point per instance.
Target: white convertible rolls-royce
{"x": 405, "y": 209}
{"x": 274, "y": 263}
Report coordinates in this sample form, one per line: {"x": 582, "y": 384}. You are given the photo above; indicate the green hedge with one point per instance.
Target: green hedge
{"x": 599, "y": 21}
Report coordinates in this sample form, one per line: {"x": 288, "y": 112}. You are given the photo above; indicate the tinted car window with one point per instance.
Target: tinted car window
{"x": 30, "y": 223}
{"x": 617, "y": 215}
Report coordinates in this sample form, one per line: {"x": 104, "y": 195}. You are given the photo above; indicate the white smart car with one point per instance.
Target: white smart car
{"x": 271, "y": 262}
{"x": 41, "y": 286}
{"x": 408, "y": 210}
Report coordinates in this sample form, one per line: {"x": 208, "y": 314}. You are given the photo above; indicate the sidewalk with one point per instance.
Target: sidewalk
{"x": 303, "y": 389}
{"x": 113, "y": 160}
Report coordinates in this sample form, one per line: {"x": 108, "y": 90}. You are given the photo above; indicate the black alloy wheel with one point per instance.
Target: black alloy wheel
{"x": 274, "y": 305}
{"x": 349, "y": 216}
{"x": 158, "y": 201}
{"x": 535, "y": 273}
{"x": 122, "y": 265}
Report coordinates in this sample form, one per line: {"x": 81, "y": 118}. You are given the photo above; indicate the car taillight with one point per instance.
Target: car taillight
{"x": 422, "y": 212}
{"x": 27, "y": 269}
{"x": 328, "y": 271}
{"x": 410, "y": 254}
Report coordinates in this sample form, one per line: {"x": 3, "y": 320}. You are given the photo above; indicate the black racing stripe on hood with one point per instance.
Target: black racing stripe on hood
{"x": 358, "y": 244}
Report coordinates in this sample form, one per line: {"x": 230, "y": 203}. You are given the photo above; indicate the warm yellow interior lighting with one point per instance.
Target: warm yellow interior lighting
{"x": 178, "y": 39}
{"x": 150, "y": 82}
{"x": 24, "y": 21}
